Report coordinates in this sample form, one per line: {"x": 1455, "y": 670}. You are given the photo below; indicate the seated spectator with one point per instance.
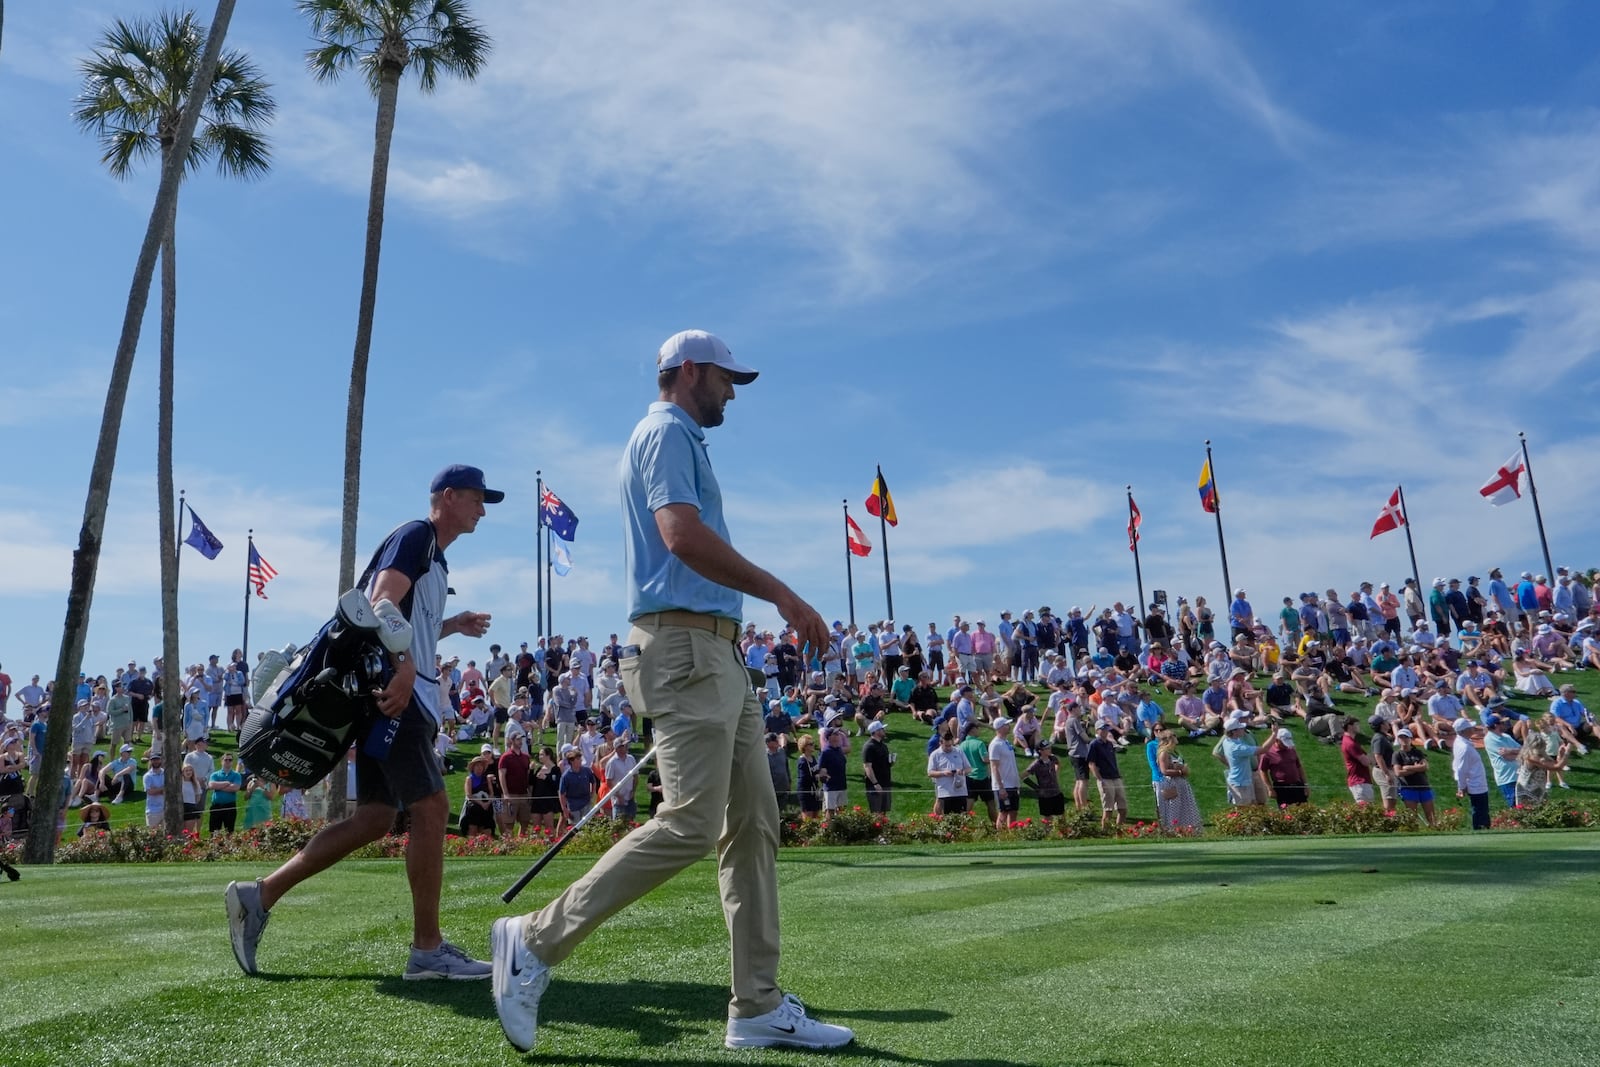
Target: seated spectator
{"x": 1281, "y": 700}
{"x": 924, "y": 699}
{"x": 1028, "y": 731}
{"x": 1573, "y": 721}
{"x": 95, "y": 816}
{"x": 1193, "y": 714}
{"x": 1533, "y": 675}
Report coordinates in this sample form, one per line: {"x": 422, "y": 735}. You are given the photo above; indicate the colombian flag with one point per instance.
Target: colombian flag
{"x": 880, "y": 491}
{"x": 1208, "y": 488}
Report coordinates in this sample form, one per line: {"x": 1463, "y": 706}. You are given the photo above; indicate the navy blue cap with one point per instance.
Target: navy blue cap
{"x": 460, "y": 476}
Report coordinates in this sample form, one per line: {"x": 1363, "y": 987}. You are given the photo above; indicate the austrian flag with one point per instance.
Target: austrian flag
{"x": 1506, "y": 485}
{"x": 856, "y": 538}
{"x": 1392, "y": 517}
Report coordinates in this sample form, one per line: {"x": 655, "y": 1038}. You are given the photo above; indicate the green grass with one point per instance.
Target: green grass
{"x": 1442, "y": 950}
{"x": 1324, "y": 767}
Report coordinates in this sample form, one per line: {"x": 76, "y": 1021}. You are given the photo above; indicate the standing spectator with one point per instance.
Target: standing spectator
{"x": 1357, "y": 764}
{"x": 194, "y": 795}
{"x": 1241, "y": 616}
{"x": 875, "y": 767}
{"x": 1045, "y": 770}
{"x": 935, "y": 650}
{"x": 257, "y": 803}
{"x": 949, "y": 769}
{"x": 1102, "y": 756}
{"x": 1383, "y": 776}
{"x": 808, "y": 780}
{"x": 832, "y": 760}
{"x": 980, "y": 786}
{"x": 576, "y": 787}
{"x": 225, "y": 785}
{"x": 1078, "y": 740}
{"x": 545, "y": 787}
{"x": 778, "y": 770}
{"x": 1175, "y": 803}
{"x": 516, "y": 808}
{"x": 1236, "y": 752}
{"x": 1534, "y": 767}
{"x": 1467, "y": 768}
{"x": 1003, "y": 773}
{"x": 119, "y": 716}
{"x": 155, "y": 797}
{"x": 1411, "y": 768}
{"x": 235, "y": 680}
{"x": 1280, "y": 765}
{"x": 1503, "y": 750}
{"x": 621, "y": 797}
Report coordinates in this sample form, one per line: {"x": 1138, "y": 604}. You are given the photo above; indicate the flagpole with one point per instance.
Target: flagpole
{"x": 883, "y": 530}
{"x": 549, "y": 588}
{"x": 538, "y": 551}
{"x": 250, "y": 551}
{"x": 1538, "y": 516}
{"x": 849, "y": 567}
{"x": 1405, "y": 514}
{"x": 1133, "y": 543}
{"x": 177, "y": 548}
{"x": 1222, "y": 547}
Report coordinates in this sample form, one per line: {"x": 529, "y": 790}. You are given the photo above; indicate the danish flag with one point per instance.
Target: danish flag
{"x": 1506, "y": 485}
{"x": 1391, "y": 517}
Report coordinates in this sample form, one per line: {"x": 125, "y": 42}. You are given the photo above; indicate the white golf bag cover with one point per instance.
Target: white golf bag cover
{"x": 311, "y": 703}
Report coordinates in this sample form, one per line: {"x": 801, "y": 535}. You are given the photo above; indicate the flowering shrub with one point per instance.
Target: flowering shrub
{"x": 279, "y": 839}
{"x": 1553, "y": 814}
{"x": 1340, "y": 817}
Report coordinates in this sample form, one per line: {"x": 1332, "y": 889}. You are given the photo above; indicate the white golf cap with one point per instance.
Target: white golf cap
{"x": 697, "y": 346}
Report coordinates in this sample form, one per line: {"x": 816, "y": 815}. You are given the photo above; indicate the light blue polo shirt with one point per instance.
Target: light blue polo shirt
{"x": 666, "y": 463}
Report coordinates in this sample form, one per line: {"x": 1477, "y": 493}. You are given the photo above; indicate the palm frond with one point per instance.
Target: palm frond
{"x": 136, "y": 83}
{"x": 241, "y": 152}
{"x": 434, "y": 36}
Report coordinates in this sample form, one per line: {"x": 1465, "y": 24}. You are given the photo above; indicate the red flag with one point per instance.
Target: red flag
{"x": 1391, "y": 517}
{"x": 1134, "y": 521}
{"x": 880, "y": 491}
{"x": 855, "y": 538}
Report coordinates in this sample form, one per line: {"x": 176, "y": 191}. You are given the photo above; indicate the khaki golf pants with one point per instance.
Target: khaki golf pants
{"x": 716, "y": 792}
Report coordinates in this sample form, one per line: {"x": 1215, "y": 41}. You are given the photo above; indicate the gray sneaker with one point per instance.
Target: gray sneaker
{"x": 247, "y": 919}
{"x": 446, "y": 961}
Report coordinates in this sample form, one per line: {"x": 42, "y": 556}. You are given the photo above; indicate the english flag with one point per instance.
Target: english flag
{"x": 856, "y": 538}
{"x": 1391, "y": 517}
{"x": 1135, "y": 520}
{"x": 1506, "y": 485}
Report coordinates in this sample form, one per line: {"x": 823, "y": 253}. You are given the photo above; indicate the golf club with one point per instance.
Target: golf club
{"x": 561, "y": 842}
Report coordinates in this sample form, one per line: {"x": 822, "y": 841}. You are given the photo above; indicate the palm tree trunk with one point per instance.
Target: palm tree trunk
{"x": 86, "y": 558}
{"x": 388, "y": 96}
{"x": 171, "y": 666}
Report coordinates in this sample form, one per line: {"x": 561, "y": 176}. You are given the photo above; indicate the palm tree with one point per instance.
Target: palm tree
{"x": 385, "y": 38}
{"x": 86, "y": 558}
{"x": 134, "y": 88}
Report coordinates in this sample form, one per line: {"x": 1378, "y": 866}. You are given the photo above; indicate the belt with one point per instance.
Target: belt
{"x": 725, "y": 628}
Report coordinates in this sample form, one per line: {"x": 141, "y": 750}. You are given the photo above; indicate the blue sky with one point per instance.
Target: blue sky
{"x": 1021, "y": 255}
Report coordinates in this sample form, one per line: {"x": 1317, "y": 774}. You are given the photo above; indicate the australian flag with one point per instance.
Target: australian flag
{"x": 556, "y": 515}
{"x": 204, "y": 541}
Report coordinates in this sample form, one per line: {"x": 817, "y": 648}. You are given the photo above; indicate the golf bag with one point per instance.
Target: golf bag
{"x": 310, "y": 704}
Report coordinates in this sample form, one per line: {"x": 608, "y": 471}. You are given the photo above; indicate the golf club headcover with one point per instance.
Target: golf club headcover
{"x": 393, "y": 629}
{"x": 355, "y": 610}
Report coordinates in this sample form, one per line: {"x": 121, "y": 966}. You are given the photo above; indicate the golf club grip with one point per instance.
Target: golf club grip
{"x": 561, "y": 842}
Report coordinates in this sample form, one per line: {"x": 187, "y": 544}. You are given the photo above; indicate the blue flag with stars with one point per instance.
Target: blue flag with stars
{"x": 204, "y": 541}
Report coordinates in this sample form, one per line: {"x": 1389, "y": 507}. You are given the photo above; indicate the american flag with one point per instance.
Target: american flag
{"x": 261, "y": 572}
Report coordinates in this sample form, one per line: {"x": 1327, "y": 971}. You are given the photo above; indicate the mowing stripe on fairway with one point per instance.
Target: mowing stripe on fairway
{"x": 1458, "y": 949}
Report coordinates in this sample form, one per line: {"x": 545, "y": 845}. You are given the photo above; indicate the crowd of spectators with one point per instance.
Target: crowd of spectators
{"x": 1438, "y": 670}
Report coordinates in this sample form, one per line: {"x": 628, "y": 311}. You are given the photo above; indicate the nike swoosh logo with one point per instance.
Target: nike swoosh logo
{"x": 784, "y": 1029}
{"x": 515, "y": 970}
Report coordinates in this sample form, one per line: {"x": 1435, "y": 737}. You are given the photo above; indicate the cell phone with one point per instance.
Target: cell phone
{"x": 627, "y": 652}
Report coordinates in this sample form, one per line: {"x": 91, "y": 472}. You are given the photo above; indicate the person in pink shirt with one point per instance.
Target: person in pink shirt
{"x": 983, "y": 643}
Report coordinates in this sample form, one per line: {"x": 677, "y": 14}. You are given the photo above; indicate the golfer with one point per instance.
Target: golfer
{"x": 409, "y": 570}
{"x": 682, "y": 668}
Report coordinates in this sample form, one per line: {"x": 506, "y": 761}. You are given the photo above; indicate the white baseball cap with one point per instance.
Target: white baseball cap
{"x": 697, "y": 346}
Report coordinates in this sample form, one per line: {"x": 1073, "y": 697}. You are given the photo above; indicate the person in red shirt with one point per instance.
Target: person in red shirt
{"x": 1357, "y": 764}
{"x": 1280, "y": 764}
{"x": 517, "y": 804}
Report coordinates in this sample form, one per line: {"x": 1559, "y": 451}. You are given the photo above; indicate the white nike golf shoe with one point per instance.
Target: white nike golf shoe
{"x": 519, "y": 979}
{"x": 786, "y": 1026}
